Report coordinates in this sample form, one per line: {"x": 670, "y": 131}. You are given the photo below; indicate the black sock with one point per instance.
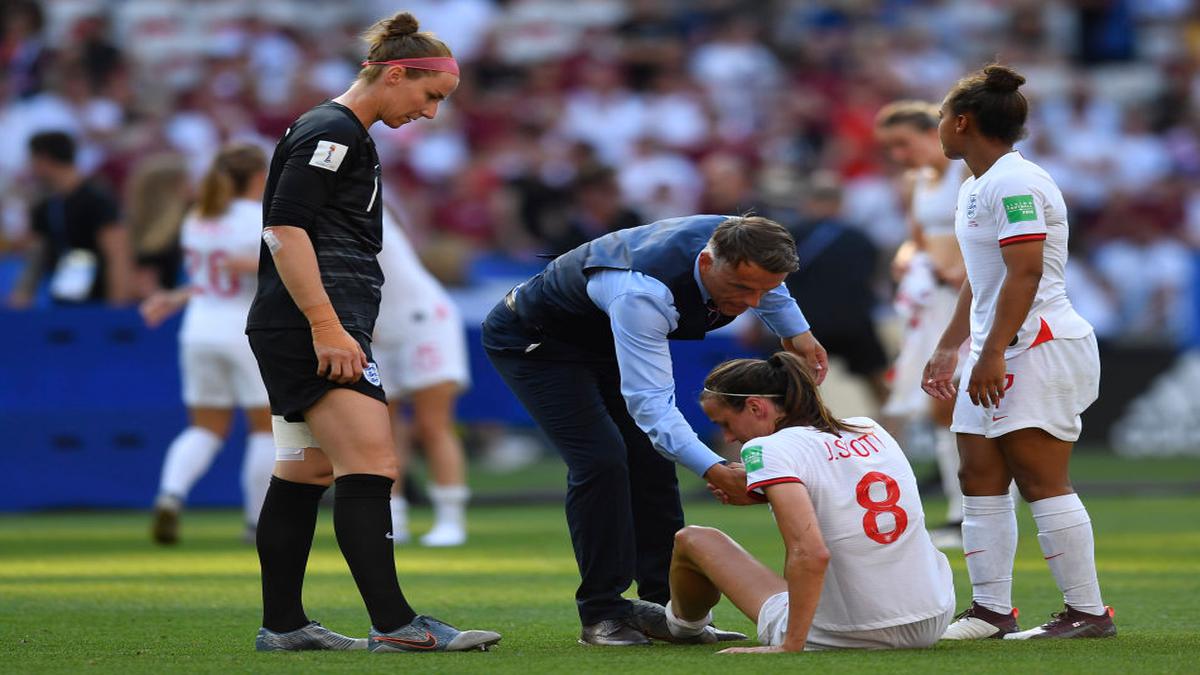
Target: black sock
{"x": 362, "y": 520}
{"x": 284, "y": 538}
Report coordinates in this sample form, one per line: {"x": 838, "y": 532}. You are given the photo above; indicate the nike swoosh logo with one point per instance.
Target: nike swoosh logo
{"x": 428, "y": 643}
{"x": 1052, "y": 557}
{"x": 997, "y": 419}
{"x": 971, "y": 553}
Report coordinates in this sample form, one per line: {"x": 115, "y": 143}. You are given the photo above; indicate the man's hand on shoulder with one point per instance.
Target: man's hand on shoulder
{"x": 805, "y": 346}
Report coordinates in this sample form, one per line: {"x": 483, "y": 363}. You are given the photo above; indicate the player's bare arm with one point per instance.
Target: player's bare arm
{"x": 1023, "y": 264}
{"x": 804, "y": 570}
{"x": 938, "y": 379}
{"x": 339, "y": 356}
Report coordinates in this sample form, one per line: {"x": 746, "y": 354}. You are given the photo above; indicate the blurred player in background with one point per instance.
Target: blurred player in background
{"x": 861, "y": 571}
{"x": 421, "y": 350}
{"x": 1034, "y": 367}
{"x": 929, "y": 270}
{"x": 220, "y": 240}
{"x": 310, "y": 327}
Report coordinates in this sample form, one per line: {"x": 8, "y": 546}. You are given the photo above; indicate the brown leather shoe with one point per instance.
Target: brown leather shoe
{"x": 612, "y": 633}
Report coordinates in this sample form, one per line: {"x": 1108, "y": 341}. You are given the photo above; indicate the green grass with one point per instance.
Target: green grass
{"x": 89, "y": 592}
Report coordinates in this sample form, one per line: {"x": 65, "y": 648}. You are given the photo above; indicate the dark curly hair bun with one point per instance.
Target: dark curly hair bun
{"x": 1002, "y": 79}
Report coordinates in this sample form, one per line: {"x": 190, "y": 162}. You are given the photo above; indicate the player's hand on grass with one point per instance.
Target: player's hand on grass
{"x": 805, "y": 346}
{"x": 339, "y": 356}
{"x": 938, "y": 378}
{"x": 987, "y": 382}
{"x": 776, "y": 649}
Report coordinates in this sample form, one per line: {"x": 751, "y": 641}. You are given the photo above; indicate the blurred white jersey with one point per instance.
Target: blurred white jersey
{"x": 408, "y": 286}
{"x": 883, "y": 569}
{"x": 419, "y": 337}
{"x": 1016, "y": 201}
{"x": 933, "y": 199}
{"x": 216, "y": 312}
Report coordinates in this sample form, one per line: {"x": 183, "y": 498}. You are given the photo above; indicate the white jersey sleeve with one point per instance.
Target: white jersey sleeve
{"x": 1020, "y": 207}
{"x": 768, "y": 462}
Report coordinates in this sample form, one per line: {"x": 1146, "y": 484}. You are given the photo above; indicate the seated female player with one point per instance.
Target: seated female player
{"x": 861, "y": 571}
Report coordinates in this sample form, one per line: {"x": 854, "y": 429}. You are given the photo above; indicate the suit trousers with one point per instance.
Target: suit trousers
{"x": 622, "y": 505}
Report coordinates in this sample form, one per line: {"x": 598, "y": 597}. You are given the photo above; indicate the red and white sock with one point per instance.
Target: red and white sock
{"x": 1065, "y": 535}
{"x": 989, "y": 533}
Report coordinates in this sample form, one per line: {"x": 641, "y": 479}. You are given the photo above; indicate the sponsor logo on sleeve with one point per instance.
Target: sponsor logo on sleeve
{"x": 1019, "y": 208}
{"x": 752, "y": 457}
{"x": 328, "y": 155}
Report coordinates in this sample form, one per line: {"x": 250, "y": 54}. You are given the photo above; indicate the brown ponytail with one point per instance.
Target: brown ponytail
{"x": 228, "y": 177}
{"x": 785, "y": 379}
{"x": 400, "y": 37}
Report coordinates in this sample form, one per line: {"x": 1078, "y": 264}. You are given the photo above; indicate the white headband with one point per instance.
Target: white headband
{"x": 725, "y": 393}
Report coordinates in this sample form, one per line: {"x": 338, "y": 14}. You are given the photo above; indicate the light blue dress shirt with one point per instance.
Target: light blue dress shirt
{"x": 641, "y": 310}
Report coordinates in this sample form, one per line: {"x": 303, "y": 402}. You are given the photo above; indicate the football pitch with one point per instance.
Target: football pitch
{"x": 88, "y": 592}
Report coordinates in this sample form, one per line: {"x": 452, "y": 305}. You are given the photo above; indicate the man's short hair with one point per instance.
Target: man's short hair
{"x": 758, "y": 240}
{"x": 53, "y": 145}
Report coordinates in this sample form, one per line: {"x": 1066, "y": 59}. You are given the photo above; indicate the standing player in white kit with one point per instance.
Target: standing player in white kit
{"x": 1033, "y": 368}
{"x": 930, "y": 271}
{"x": 421, "y": 350}
{"x": 220, "y": 240}
{"x": 861, "y": 571}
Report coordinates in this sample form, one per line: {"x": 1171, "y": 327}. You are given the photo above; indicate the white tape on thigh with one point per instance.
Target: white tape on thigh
{"x": 272, "y": 242}
{"x": 292, "y": 435}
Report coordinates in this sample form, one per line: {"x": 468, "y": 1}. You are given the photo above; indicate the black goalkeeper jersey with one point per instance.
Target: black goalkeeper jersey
{"x": 324, "y": 178}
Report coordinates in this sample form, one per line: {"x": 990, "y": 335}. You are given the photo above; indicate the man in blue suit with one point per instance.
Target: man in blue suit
{"x": 583, "y": 345}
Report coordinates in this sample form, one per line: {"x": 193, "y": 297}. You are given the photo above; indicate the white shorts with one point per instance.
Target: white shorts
{"x": 431, "y": 349}
{"x": 773, "y": 620}
{"x": 920, "y": 339}
{"x": 1048, "y": 387}
{"x": 221, "y": 376}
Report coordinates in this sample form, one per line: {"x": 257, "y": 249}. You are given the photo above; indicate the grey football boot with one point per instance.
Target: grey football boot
{"x": 312, "y": 636}
{"x": 427, "y": 634}
{"x": 651, "y": 619}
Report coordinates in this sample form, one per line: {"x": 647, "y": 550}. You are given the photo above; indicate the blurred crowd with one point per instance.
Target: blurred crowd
{"x": 577, "y": 118}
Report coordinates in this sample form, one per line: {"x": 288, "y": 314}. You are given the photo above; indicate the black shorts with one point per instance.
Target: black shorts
{"x": 858, "y": 345}
{"x": 288, "y": 366}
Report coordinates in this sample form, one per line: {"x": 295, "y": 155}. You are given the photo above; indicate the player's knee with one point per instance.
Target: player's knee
{"x": 1034, "y": 489}
{"x": 692, "y": 536}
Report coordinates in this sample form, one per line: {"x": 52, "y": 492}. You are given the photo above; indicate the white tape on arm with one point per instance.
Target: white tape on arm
{"x": 272, "y": 242}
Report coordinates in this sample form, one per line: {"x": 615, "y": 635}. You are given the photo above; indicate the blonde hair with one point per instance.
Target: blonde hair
{"x": 157, "y": 198}
{"x": 400, "y": 37}
{"x": 228, "y": 177}
{"x": 783, "y": 378}
{"x": 920, "y": 115}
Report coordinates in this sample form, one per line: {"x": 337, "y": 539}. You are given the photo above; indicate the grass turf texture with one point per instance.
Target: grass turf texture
{"x": 89, "y": 592}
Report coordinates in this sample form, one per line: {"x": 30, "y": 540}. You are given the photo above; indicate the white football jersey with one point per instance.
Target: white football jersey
{"x": 883, "y": 569}
{"x": 216, "y": 312}
{"x": 409, "y": 289}
{"x": 933, "y": 199}
{"x": 1013, "y": 202}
